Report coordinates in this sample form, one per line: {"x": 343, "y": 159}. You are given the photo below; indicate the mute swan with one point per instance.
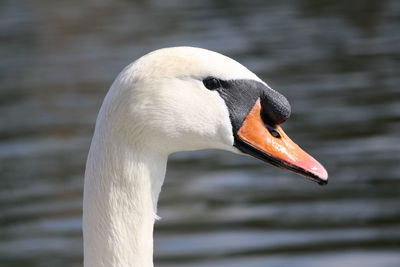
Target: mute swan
{"x": 169, "y": 100}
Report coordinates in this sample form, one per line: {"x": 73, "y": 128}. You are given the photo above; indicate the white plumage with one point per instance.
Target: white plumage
{"x": 156, "y": 106}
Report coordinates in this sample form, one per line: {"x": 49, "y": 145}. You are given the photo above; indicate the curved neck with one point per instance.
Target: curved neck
{"x": 122, "y": 184}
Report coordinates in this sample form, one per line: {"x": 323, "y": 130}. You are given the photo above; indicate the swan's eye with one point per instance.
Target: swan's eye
{"x": 211, "y": 83}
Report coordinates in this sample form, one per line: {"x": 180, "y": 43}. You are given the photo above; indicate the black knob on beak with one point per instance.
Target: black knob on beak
{"x": 275, "y": 108}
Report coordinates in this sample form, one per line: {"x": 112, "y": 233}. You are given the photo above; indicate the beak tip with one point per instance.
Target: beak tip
{"x": 322, "y": 175}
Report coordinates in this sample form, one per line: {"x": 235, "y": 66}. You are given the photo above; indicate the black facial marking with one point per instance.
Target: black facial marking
{"x": 275, "y": 109}
{"x": 241, "y": 95}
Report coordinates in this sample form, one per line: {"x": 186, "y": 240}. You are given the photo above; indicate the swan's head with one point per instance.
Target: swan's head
{"x": 187, "y": 98}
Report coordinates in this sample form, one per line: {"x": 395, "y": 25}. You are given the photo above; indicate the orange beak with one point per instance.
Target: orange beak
{"x": 270, "y": 143}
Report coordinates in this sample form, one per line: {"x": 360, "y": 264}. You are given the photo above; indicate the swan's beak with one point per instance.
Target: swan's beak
{"x": 271, "y": 144}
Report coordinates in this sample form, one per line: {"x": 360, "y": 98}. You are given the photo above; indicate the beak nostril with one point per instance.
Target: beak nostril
{"x": 275, "y": 133}
{"x": 272, "y": 130}
{"x": 269, "y": 122}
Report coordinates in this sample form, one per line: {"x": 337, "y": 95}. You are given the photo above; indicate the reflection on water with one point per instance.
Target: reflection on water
{"x": 336, "y": 61}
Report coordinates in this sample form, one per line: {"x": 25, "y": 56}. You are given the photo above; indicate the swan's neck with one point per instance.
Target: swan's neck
{"x": 122, "y": 184}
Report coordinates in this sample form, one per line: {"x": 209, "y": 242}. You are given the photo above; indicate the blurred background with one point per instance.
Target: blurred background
{"x": 338, "y": 63}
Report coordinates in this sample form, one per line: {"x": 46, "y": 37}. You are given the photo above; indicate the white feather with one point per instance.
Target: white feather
{"x": 156, "y": 106}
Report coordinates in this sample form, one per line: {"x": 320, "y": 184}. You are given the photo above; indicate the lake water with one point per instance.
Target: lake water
{"x": 338, "y": 63}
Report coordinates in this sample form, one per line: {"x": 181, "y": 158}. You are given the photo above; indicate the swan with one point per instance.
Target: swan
{"x": 173, "y": 99}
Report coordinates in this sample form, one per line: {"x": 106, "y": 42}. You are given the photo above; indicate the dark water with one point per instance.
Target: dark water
{"x": 338, "y": 62}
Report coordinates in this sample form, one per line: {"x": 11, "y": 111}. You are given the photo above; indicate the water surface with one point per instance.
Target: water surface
{"x": 336, "y": 61}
